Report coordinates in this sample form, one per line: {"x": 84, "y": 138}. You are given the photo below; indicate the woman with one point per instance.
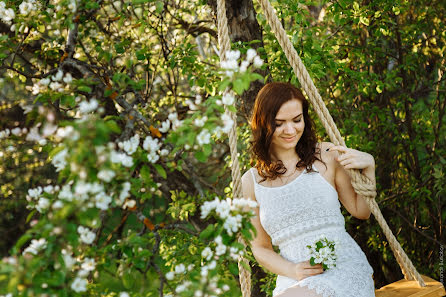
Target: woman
{"x": 297, "y": 183}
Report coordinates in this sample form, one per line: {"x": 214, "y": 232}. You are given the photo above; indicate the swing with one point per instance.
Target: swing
{"x": 413, "y": 283}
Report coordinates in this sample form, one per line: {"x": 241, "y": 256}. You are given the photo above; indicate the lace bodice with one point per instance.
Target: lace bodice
{"x": 297, "y": 213}
{"x": 307, "y": 203}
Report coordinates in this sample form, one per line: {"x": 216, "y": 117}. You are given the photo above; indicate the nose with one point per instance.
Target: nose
{"x": 289, "y": 128}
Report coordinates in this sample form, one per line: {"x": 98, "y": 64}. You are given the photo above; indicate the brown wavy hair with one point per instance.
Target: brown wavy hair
{"x": 268, "y": 102}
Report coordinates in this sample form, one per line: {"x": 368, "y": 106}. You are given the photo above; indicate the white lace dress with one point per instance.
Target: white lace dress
{"x": 295, "y": 215}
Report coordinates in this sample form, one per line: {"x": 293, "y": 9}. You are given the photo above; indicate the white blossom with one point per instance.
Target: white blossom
{"x": 170, "y": 275}
{"x": 66, "y": 193}
{"x": 227, "y": 122}
{"x": 58, "y": 76}
{"x": 199, "y": 122}
{"x": 68, "y": 78}
{"x": 204, "y": 137}
{"x": 244, "y": 66}
{"x": 7, "y": 15}
{"x": 152, "y": 157}
{"x": 220, "y": 250}
{"x": 124, "y": 159}
{"x": 56, "y": 86}
{"x": 16, "y": 131}
{"x": 57, "y": 204}
{"x": 102, "y": 201}
{"x": 124, "y": 192}
{"x": 258, "y": 62}
{"x": 151, "y": 144}
{"x": 43, "y": 204}
{"x": 233, "y": 55}
{"x": 212, "y": 265}
{"x": 124, "y": 294}
{"x": 180, "y": 268}
{"x": 207, "y": 253}
{"x": 79, "y": 285}
{"x": 36, "y": 246}
{"x": 35, "y": 193}
{"x": 86, "y": 107}
{"x": 59, "y": 160}
{"x": 164, "y": 152}
{"x": 228, "y": 99}
{"x": 250, "y": 54}
{"x": 130, "y": 145}
{"x": 165, "y": 126}
{"x": 106, "y": 175}
{"x": 198, "y": 99}
{"x": 88, "y": 264}
{"x": 173, "y": 116}
{"x": 129, "y": 204}
{"x": 26, "y": 7}
{"x": 86, "y": 235}
{"x": 232, "y": 224}
{"x": 34, "y": 135}
{"x": 72, "y": 6}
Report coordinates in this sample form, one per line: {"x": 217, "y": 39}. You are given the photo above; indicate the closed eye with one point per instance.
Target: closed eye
{"x": 280, "y": 124}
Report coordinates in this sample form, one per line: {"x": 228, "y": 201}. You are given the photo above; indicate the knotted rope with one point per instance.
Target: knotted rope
{"x": 362, "y": 185}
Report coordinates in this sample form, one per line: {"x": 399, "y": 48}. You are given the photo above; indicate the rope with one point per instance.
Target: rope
{"x": 362, "y": 185}
{"x": 225, "y": 45}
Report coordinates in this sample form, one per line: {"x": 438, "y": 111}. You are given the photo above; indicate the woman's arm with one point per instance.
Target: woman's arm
{"x": 261, "y": 245}
{"x": 352, "y": 159}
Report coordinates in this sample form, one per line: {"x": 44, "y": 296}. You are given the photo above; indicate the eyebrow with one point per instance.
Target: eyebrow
{"x": 293, "y": 118}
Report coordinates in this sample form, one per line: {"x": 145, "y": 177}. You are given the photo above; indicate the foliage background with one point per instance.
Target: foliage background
{"x": 379, "y": 66}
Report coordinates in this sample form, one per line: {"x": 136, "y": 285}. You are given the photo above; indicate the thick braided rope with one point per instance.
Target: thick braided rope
{"x": 225, "y": 45}
{"x": 361, "y": 184}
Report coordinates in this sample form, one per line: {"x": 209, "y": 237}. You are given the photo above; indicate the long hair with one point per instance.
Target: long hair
{"x": 268, "y": 102}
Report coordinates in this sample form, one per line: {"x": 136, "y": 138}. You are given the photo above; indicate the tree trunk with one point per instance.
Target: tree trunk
{"x": 243, "y": 27}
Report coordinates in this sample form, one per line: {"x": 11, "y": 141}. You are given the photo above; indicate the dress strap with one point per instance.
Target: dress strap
{"x": 314, "y": 167}
{"x": 253, "y": 176}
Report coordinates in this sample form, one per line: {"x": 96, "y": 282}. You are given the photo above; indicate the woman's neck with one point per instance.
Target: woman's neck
{"x": 288, "y": 158}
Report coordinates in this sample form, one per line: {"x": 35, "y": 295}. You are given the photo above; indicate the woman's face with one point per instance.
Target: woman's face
{"x": 290, "y": 126}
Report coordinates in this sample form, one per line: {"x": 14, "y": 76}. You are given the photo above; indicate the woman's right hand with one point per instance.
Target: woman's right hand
{"x": 304, "y": 270}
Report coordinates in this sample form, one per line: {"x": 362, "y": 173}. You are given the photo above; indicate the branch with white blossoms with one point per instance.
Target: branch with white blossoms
{"x": 323, "y": 251}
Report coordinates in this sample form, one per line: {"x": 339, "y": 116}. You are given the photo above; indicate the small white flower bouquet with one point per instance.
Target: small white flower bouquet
{"x": 323, "y": 251}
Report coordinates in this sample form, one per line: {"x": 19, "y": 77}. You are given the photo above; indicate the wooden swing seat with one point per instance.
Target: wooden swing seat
{"x": 412, "y": 289}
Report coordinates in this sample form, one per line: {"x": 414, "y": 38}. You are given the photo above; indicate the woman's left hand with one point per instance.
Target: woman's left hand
{"x": 353, "y": 159}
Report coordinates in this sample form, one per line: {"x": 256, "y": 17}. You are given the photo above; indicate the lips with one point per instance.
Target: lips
{"x": 289, "y": 139}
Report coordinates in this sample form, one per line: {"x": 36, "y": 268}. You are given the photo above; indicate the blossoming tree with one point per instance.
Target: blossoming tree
{"x": 113, "y": 116}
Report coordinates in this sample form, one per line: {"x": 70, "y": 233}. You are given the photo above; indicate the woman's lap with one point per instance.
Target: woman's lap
{"x": 297, "y": 291}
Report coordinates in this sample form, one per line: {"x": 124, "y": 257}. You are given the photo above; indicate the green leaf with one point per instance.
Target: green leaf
{"x": 159, "y": 6}
{"x": 246, "y": 234}
{"x": 160, "y": 170}
{"x": 86, "y": 89}
{"x": 238, "y": 86}
{"x": 128, "y": 280}
{"x": 30, "y": 215}
{"x": 244, "y": 264}
{"x": 145, "y": 173}
{"x": 113, "y": 126}
{"x": 201, "y": 156}
{"x": 56, "y": 150}
{"x": 206, "y": 233}
{"x": 233, "y": 268}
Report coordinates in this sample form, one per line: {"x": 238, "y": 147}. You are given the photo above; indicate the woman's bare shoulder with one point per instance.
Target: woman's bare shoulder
{"x": 248, "y": 185}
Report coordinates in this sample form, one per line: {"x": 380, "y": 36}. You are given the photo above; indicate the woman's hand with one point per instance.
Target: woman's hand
{"x": 353, "y": 159}
{"x": 304, "y": 270}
